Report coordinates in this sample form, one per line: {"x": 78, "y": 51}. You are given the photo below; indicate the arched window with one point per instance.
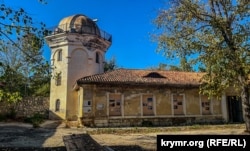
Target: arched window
{"x": 97, "y": 57}
{"x": 59, "y": 55}
{"x": 57, "y": 105}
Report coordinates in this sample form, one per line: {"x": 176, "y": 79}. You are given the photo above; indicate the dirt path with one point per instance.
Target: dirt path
{"x": 148, "y": 141}
{"x": 51, "y": 132}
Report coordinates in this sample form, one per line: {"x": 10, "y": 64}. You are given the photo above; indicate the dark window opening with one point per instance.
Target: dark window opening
{"x": 154, "y": 75}
{"x": 97, "y": 58}
{"x": 235, "y": 111}
{"x": 112, "y": 103}
{"x": 118, "y": 103}
{"x": 59, "y": 55}
{"x": 57, "y": 105}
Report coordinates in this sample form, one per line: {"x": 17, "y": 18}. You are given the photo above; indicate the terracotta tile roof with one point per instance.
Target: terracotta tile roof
{"x": 144, "y": 77}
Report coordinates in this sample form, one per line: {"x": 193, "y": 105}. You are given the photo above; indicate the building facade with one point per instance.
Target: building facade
{"x": 80, "y": 90}
{"x": 78, "y": 49}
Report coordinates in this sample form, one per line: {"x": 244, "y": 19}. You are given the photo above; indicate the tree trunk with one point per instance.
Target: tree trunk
{"x": 246, "y": 106}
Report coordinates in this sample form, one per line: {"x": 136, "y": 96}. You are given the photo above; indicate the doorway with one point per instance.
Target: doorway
{"x": 234, "y": 107}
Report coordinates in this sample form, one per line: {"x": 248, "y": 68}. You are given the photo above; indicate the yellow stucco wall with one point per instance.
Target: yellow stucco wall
{"x": 77, "y": 61}
{"x": 192, "y": 102}
{"x": 100, "y": 106}
{"x": 217, "y": 106}
{"x": 132, "y": 104}
{"x": 163, "y": 104}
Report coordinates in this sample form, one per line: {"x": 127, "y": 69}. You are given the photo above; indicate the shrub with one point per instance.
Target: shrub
{"x": 12, "y": 114}
{"x": 35, "y": 120}
{"x": 2, "y": 118}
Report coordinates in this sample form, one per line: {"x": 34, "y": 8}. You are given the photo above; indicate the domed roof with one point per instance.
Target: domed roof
{"x": 79, "y": 24}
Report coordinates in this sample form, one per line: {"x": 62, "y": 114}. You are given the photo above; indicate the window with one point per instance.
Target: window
{"x": 58, "y": 79}
{"x": 205, "y": 105}
{"x": 57, "y": 105}
{"x": 87, "y": 102}
{"x": 87, "y": 106}
{"x": 115, "y": 104}
{"x": 97, "y": 57}
{"x": 154, "y": 75}
{"x": 59, "y": 55}
{"x": 178, "y": 104}
{"x": 147, "y": 103}
{"x": 112, "y": 103}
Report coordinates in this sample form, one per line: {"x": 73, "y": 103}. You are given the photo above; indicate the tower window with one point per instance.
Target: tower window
{"x": 57, "y": 105}
{"x": 97, "y": 58}
{"x": 59, "y": 55}
{"x": 58, "y": 79}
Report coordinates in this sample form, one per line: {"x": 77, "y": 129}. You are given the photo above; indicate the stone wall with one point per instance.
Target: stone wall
{"x": 27, "y": 107}
{"x": 156, "y": 121}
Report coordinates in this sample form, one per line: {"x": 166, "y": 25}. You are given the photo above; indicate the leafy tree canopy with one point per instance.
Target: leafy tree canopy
{"x": 110, "y": 65}
{"x": 218, "y": 33}
{"x": 21, "y": 59}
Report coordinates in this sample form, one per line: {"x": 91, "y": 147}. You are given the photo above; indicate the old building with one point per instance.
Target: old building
{"x": 80, "y": 90}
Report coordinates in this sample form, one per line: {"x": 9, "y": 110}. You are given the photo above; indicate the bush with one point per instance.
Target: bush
{"x": 12, "y": 114}
{"x": 2, "y": 118}
{"x": 35, "y": 120}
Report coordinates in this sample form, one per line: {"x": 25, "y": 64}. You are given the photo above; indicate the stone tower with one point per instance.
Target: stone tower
{"x": 78, "y": 49}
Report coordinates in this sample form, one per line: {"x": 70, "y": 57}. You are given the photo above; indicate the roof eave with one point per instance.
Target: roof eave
{"x": 115, "y": 83}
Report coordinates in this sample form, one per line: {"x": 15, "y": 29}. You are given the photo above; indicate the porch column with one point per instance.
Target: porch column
{"x": 224, "y": 107}
{"x": 107, "y": 104}
{"x": 122, "y": 105}
{"x": 141, "y": 104}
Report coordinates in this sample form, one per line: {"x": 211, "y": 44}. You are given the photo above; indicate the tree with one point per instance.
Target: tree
{"x": 110, "y": 65}
{"x": 20, "y": 50}
{"x": 184, "y": 66}
{"x": 218, "y": 33}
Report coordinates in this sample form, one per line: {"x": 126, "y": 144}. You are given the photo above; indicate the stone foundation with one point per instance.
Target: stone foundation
{"x": 157, "y": 121}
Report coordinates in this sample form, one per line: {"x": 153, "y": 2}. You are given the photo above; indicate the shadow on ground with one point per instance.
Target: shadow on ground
{"x": 23, "y": 137}
{"x": 16, "y": 136}
{"x": 128, "y": 148}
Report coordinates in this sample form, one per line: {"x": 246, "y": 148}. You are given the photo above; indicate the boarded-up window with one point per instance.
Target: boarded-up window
{"x": 178, "y": 104}
{"x": 57, "y": 105}
{"x": 148, "y": 102}
{"x": 115, "y": 104}
{"x": 87, "y": 106}
{"x": 87, "y": 101}
{"x": 205, "y": 105}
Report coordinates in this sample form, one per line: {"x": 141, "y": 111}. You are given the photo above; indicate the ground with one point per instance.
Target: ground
{"x": 49, "y": 135}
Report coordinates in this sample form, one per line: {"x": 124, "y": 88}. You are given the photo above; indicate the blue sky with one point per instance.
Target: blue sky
{"x": 128, "y": 21}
